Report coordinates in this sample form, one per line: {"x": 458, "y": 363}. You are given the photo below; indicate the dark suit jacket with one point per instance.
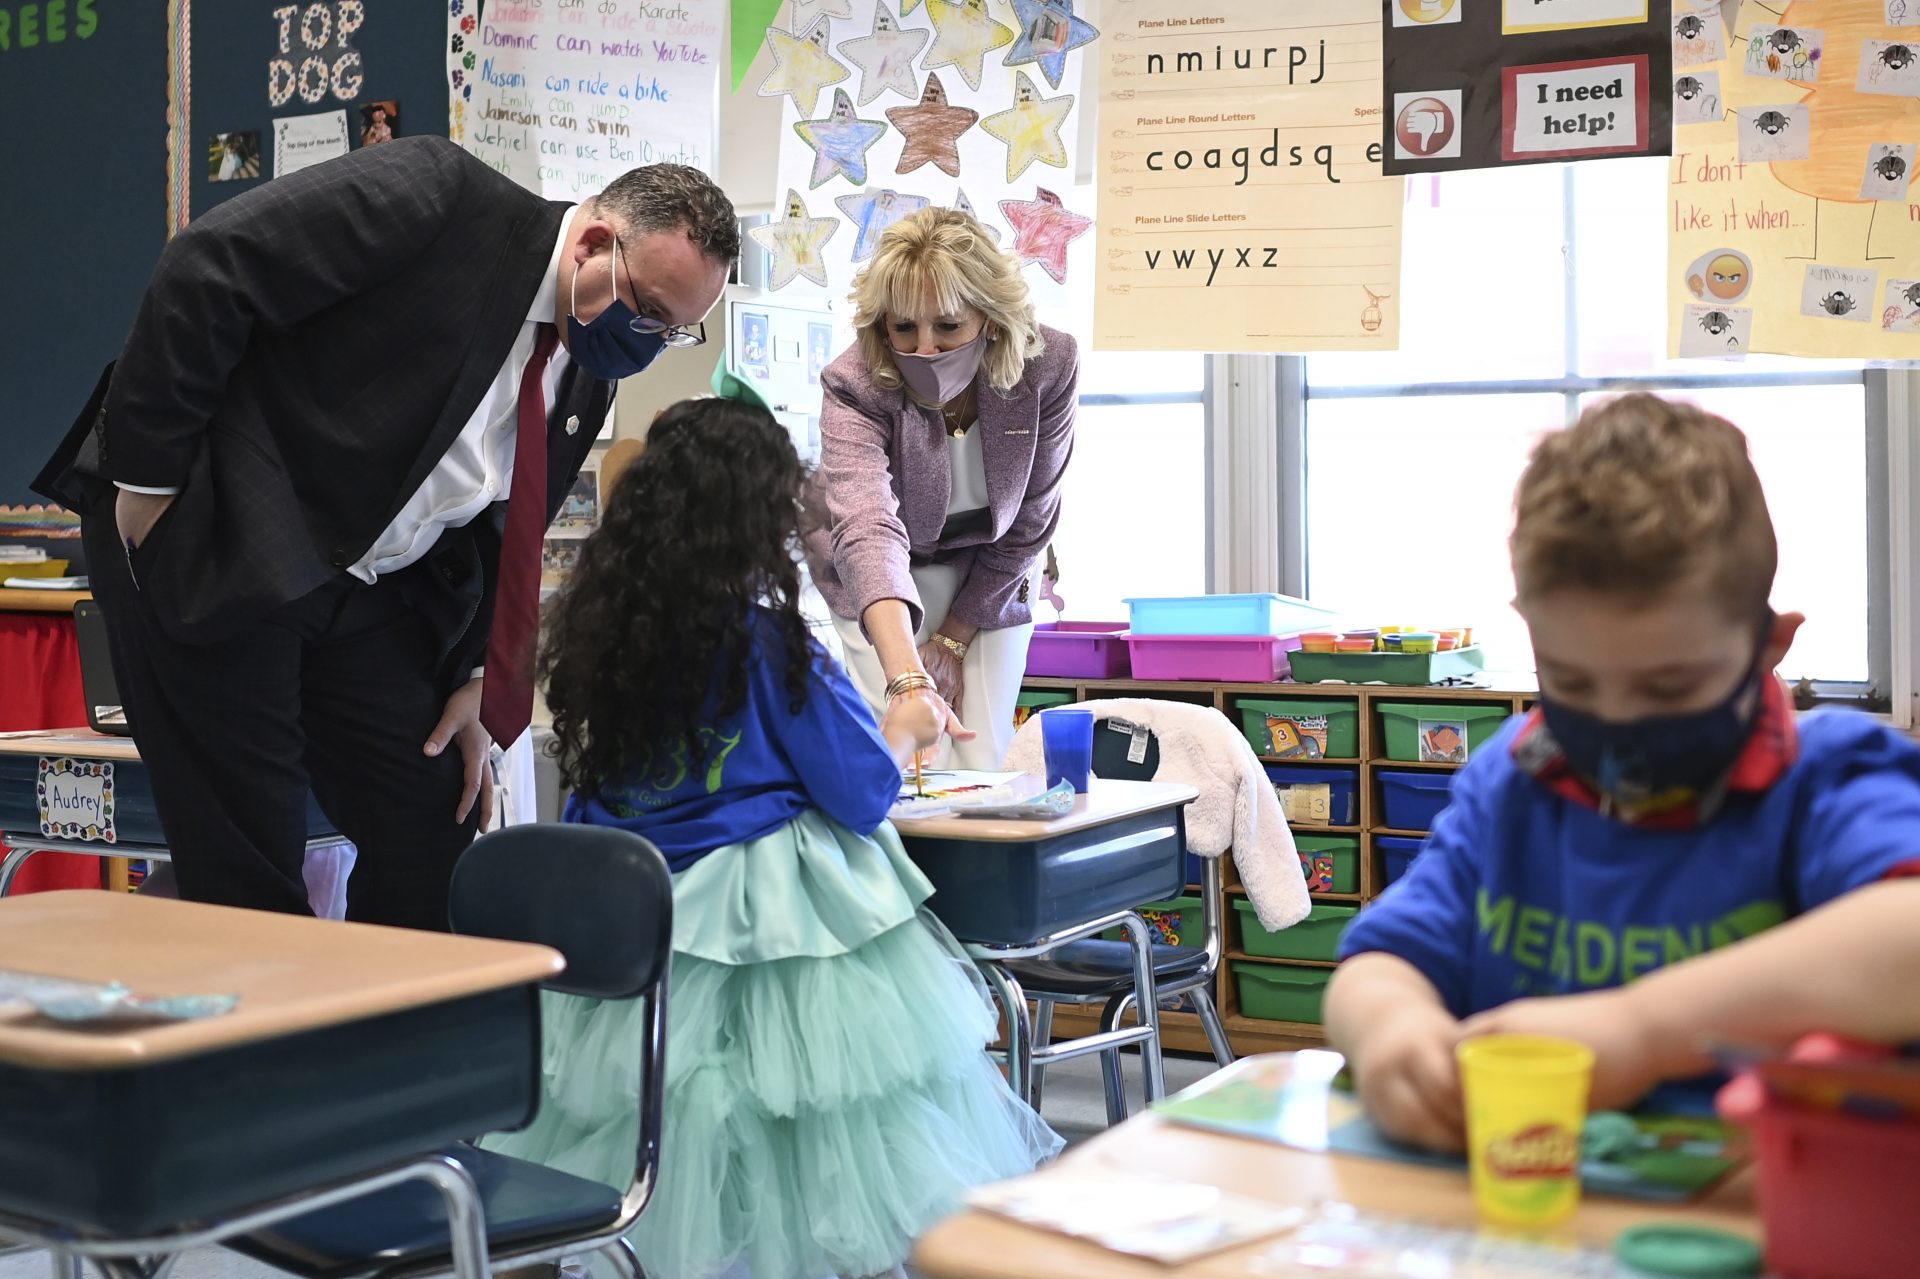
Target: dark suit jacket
{"x": 304, "y": 356}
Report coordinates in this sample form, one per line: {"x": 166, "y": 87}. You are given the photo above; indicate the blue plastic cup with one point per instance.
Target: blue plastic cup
{"x": 1066, "y": 736}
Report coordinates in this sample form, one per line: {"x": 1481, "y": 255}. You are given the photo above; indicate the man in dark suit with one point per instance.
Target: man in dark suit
{"x": 311, "y": 516}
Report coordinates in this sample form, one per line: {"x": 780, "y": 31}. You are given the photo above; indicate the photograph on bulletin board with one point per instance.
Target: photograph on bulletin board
{"x": 1792, "y": 229}
{"x": 1476, "y": 84}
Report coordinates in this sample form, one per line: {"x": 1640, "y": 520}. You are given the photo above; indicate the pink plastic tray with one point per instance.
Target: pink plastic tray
{"x": 1079, "y": 650}
{"x": 1241, "y": 659}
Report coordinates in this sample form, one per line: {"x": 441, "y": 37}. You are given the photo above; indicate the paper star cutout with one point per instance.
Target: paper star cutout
{"x": 1031, "y": 127}
{"x": 932, "y": 130}
{"x": 808, "y": 12}
{"x": 963, "y": 205}
{"x": 795, "y": 242}
{"x": 885, "y": 58}
{"x": 840, "y": 142}
{"x": 1048, "y": 33}
{"x": 872, "y": 212}
{"x": 963, "y": 36}
{"x": 801, "y": 66}
{"x": 908, "y": 6}
{"x": 1042, "y": 229}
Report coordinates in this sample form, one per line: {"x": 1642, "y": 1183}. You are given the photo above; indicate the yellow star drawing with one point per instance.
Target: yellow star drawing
{"x": 801, "y": 66}
{"x": 796, "y": 243}
{"x": 963, "y": 36}
{"x": 1031, "y": 127}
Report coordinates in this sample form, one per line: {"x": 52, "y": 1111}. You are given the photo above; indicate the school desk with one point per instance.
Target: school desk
{"x": 976, "y": 1245}
{"x": 40, "y": 685}
{"x": 72, "y": 790}
{"x": 1014, "y": 889}
{"x": 353, "y": 1049}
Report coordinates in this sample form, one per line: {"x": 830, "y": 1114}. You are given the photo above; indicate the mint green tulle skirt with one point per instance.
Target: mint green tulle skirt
{"x": 828, "y": 1096}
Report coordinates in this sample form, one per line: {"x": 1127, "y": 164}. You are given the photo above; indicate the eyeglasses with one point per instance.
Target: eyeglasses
{"x": 670, "y": 334}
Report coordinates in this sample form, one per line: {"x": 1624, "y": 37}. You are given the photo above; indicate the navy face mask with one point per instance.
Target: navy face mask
{"x": 1667, "y": 757}
{"x": 608, "y": 348}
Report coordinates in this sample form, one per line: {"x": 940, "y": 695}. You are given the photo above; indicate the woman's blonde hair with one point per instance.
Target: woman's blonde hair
{"x": 949, "y": 256}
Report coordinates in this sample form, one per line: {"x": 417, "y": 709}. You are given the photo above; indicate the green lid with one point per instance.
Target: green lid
{"x": 1689, "y": 1251}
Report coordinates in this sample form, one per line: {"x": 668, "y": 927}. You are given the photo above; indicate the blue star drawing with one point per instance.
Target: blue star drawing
{"x": 872, "y": 212}
{"x": 1048, "y": 33}
{"x": 840, "y": 142}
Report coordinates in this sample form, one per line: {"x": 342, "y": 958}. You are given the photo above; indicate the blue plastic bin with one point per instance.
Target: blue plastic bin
{"x": 1343, "y": 788}
{"x": 1413, "y": 800}
{"x": 1225, "y": 615}
{"x": 1398, "y": 852}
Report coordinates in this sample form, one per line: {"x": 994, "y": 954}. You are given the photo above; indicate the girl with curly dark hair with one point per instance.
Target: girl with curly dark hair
{"x": 828, "y": 1094}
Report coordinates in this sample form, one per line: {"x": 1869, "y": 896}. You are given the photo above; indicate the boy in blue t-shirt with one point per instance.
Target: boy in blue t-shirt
{"x": 1613, "y": 850}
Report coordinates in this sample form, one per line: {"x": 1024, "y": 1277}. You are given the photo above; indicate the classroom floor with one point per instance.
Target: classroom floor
{"x": 1072, "y": 1101}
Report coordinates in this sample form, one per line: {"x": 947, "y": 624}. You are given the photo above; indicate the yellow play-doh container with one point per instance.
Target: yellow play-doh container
{"x": 1526, "y": 1101}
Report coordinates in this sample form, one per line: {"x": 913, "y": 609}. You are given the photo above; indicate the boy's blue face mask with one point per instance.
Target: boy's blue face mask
{"x": 1663, "y": 759}
{"x": 607, "y": 347}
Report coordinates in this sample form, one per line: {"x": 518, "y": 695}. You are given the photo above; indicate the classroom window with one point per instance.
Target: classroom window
{"x": 1529, "y": 293}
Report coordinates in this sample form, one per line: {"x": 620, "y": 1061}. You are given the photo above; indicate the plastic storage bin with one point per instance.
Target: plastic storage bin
{"x": 1331, "y": 863}
{"x": 1438, "y": 732}
{"x": 1340, "y": 805}
{"x": 1225, "y": 615}
{"x": 1405, "y": 669}
{"x": 1315, "y": 937}
{"x": 1302, "y": 727}
{"x": 1398, "y": 852}
{"x": 1238, "y": 659}
{"x": 1029, "y": 704}
{"x": 1079, "y": 650}
{"x": 1412, "y": 800}
{"x": 1180, "y": 922}
{"x": 1280, "y": 992}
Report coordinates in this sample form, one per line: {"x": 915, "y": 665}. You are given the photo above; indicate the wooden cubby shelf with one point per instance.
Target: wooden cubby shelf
{"x": 1181, "y": 1031}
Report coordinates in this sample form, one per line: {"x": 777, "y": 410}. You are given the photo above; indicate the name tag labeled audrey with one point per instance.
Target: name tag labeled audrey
{"x": 76, "y": 799}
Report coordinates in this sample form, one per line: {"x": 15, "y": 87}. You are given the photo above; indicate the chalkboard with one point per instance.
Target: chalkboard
{"x": 87, "y": 160}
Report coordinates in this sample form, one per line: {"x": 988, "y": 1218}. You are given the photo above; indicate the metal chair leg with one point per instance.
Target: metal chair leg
{"x": 1210, "y": 1022}
{"x": 1152, "y": 1071}
{"x": 1113, "y": 1077}
{"x": 1042, "y": 1037}
{"x": 15, "y": 859}
{"x": 466, "y": 1219}
{"x": 1013, "y": 1002}
{"x": 621, "y": 1250}
{"x": 67, "y": 1265}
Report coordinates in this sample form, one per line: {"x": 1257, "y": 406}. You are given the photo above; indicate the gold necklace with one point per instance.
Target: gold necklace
{"x": 956, "y": 418}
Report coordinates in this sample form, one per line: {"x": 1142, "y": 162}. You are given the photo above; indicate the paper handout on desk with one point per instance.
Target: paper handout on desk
{"x": 1163, "y": 1221}
{"x": 1014, "y": 796}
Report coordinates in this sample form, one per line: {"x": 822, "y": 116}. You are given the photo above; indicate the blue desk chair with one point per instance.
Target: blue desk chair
{"x": 1101, "y": 972}
{"x": 604, "y": 900}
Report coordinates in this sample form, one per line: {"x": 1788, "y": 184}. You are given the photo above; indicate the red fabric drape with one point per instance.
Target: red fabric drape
{"x": 40, "y": 688}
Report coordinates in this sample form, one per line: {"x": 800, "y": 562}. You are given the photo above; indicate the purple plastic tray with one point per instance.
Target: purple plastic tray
{"x": 1079, "y": 650}
{"x": 1239, "y": 659}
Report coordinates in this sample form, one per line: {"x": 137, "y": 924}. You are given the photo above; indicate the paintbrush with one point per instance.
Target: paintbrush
{"x": 919, "y": 779}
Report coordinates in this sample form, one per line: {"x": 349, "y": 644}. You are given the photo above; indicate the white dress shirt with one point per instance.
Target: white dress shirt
{"x": 967, "y": 488}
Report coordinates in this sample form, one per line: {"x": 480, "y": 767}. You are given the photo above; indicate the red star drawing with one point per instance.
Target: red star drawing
{"x": 1042, "y": 229}
{"x": 932, "y": 130}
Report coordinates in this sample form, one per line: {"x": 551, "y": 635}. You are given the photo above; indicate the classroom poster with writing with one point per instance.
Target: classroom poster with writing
{"x": 968, "y": 104}
{"x": 563, "y": 96}
{"x": 1242, "y": 202}
{"x": 1475, "y": 84}
{"x": 1792, "y": 228}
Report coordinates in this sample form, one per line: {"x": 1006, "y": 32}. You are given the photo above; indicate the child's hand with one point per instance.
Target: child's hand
{"x": 1626, "y": 1055}
{"x": 1408, "y": 1080}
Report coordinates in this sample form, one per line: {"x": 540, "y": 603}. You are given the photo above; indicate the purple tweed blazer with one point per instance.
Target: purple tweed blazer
{"x": 879, "y": 499}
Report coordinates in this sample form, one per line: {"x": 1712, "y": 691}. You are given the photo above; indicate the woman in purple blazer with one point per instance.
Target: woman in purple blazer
{"x": 944, "y": 437}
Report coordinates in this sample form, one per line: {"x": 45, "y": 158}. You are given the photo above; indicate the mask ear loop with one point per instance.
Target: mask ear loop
{"x": 613, "y": 282}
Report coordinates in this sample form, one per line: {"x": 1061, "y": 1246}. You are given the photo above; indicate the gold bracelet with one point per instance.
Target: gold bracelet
{"x": 911, "y": 682}
{"x": 952, "y": 645}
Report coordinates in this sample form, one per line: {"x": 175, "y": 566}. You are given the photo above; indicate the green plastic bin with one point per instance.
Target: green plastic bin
{"x": 1406, "y": 669}
{"x": 1438, "y": 732}
{"x": 1031, "y": 703}
{"x": 1302, "y": 727}
{"x": 1315, "y": 937}
{"x": 1281, "y": 992}
{"x": 1334, "y": 860}
{"x": 1180, "y": 922}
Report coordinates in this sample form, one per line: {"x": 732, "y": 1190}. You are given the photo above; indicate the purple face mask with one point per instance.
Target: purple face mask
{"x": 939, "y": 378}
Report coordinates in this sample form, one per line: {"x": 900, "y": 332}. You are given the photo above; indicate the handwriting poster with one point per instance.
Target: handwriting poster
{"x": 1476, "y": 84}
{"x": 889, "y": 107}
{"x": 1242, "y": 204}
{"x": 1793, "y": 228}
{"x": 563, "y": 96}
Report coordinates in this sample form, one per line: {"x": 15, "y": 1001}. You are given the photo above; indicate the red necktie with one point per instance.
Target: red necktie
{"x": 506, "y": 698}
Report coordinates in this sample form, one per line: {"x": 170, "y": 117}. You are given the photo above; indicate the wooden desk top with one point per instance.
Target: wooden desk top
{"x": 1108, "y": 801}
{"x": 14, "y": 599}
{"x": 292, "y": 973}
{"x": 976, "y": 1245}
{"x": 74, "y": 743}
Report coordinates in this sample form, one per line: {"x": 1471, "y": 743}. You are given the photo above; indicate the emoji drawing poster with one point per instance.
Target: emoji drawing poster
{"x": 1242, "y": 203}
{"x": 1476, "y": 84}
{"x": 1792, "y": 227}
{"x": 892, "y": 107}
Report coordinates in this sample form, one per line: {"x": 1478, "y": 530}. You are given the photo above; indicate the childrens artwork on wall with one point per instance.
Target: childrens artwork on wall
{"x": 233, "y": 157}
{"x": 1792, "y": 213}
{"x": 379, "y": 122}
{"x": 894, "y": 106}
